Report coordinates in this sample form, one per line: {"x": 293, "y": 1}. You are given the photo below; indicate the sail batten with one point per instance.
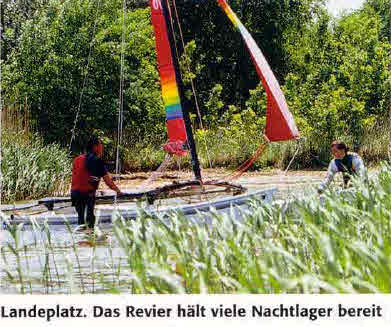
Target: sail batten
{"x": 280, "y": 125}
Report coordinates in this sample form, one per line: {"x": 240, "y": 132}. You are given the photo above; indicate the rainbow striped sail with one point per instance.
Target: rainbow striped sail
{"x": 176, "y": 131}
{"x": 280, "y": 124}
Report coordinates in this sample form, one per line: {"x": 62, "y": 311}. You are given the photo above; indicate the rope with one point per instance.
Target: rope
{"x": 157, "y": 173}
{"x": 121, "y": 98}
{"x": 121, "y": 93}
{"x": 167, "y": 160}
{"x": 283, "y": 175}
{"x": 293, "y": 158}
{"x": 172, "y": 24}
{"x": 248, "y": 163}
{"x": 85, "y": 77}
{"x": 1, "y": 123}
{"x": 192, "y": 84}
{"x": 187, "y": 64}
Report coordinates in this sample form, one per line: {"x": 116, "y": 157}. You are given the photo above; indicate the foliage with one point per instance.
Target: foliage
{"x": 382, "y": 8}
{"x": 51, "y": 60}
{"x": 60, "y": 60}
{"x": 340, "y": 86}
{"x": 13, "y": 14}
{"x": 30, "y": 169}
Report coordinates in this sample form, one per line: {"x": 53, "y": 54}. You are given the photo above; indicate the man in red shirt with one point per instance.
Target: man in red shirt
{"x": 87, "y": 171}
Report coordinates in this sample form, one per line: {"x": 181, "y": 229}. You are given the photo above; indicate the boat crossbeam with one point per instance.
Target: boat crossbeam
{"x": 150, "y": 196}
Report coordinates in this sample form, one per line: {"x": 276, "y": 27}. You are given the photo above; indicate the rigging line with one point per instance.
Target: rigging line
{"x": 293, "y": 158}
{"x": 1, "y": 119}
{"x": 157, "y": 173}
{"x": 192, "y": 84}
{"x": 121, "y": 98}
{"x": 248, "y": 163}
{"x": 172, "y": 25}
{"x": 121, "y": 93}
{"x": 187, "y": 64}
{"x": 168, "y": 158}
{"x": 175, "y": 61}
{"x": 85, "y": 76}
{"x": 289, "y": 164}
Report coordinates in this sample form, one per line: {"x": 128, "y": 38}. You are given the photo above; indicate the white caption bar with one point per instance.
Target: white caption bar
{"x": 193, "y": 310}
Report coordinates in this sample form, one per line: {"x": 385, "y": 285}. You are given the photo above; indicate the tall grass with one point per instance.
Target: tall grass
{"x": 30, "y": 169}
{"x": 338, "y": 244}
{"x": 341, "y": 244}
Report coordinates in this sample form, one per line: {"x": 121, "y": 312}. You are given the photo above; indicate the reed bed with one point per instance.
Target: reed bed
{"x": 31, "y": 169}
{"x": 339, "y": 243}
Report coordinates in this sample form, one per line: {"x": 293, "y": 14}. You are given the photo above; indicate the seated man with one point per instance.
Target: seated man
{"x": 348, "y": 163}
{"x": 86, "y": 173}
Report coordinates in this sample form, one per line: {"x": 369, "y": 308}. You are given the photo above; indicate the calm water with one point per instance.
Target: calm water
{"x": 67, "y": 263}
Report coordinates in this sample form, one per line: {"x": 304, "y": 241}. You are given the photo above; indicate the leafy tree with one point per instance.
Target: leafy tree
{"x": 340, "y": 82}
{"x": 13, "y": 13}
{"x": 60, "y": 58}
{"x": 382, "y": 8}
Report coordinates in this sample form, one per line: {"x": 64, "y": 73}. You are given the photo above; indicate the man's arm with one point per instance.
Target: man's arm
{"x": 331, "y": 171}
{"x": 109, "y": 182}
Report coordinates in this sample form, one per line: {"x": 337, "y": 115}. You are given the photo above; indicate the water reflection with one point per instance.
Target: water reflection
{"x": 37, "y": 260}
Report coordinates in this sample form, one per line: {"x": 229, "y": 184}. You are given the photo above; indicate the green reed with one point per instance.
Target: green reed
{"x": 340, "y": 243}
{"x": 337, "y": 243}
{"x": 31, "y": 169}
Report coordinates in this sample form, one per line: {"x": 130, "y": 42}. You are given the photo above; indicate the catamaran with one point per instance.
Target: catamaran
{"x": 280, "y": 125}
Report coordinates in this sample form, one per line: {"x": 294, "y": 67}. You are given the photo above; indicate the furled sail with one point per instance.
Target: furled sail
{"x": 176, "y": 131}
{"x": 280, "y": 125}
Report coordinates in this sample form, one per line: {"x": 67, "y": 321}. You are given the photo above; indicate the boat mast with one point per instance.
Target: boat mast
{"x": 186, "y": 118}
